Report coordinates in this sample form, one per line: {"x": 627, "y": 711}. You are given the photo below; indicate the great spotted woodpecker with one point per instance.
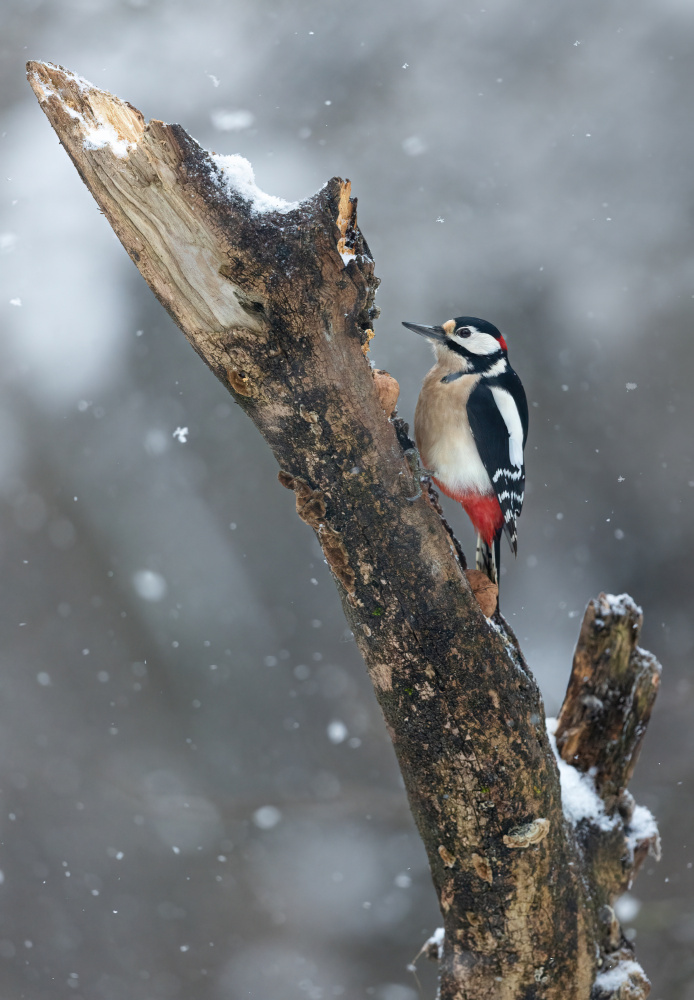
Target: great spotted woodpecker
{"x": 470, "y": 425}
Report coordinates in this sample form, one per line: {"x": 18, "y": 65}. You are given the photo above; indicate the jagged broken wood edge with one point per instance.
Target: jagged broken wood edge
{"x": 223, "y": 310}
{"x": 610, "y": 696}
{"x": 599, "y": 732}
{"x": 605, "y": 714}
{"x": 607, "y": 707}
{"x": 200, "y": 297}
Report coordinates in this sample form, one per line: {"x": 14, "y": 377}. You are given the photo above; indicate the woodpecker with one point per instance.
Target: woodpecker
{"x": 471, "y": 425}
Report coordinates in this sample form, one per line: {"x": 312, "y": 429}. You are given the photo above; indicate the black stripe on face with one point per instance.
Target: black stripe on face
{"x": 477, "y": 363}
{"x": 453, "y": 345}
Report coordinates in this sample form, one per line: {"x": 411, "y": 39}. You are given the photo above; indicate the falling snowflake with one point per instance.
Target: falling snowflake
{"x": 150, "y": 586}
{"x": 230, "y": 121}
{"x": 630, "y": 386}
{"x": 181, "y": 434}
{"x": 337, "y": 731}
{"x": 414, "y": 146}
{"x": 266, "y": 817}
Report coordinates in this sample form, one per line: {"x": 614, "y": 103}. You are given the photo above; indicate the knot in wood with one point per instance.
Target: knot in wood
{"x": 239, "y": 382}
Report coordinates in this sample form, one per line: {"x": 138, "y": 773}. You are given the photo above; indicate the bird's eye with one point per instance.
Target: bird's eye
{"x": 463, "y": 331}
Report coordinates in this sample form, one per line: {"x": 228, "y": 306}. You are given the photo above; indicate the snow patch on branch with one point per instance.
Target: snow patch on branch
{"x": 649, "y": 658}
{"x": 609, "y": 982}
{"x": 235, "y": 176}
{"x": 436, "y": 941}
{"x": 621, "y": 604}
{"x": 580, "y": 801}
{"x": 642, "y": 827}
{"x": 96, "y": 135}
{"x": 103, "y": 134}
{"x": 82, "y": 84}
{"x": 432, "y": 948}
{"x": 579, "y": 798}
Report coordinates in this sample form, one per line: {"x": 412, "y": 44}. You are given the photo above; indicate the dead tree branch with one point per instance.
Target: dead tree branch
{"x": 277, "y": 300}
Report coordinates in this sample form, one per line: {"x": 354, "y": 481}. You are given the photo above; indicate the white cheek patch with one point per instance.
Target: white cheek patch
{"x": 509, "y": 411}
{"x": 478, "y": 343}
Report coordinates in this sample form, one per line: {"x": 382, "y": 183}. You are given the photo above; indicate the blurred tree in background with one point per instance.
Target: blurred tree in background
{"x": 198, "y": 797}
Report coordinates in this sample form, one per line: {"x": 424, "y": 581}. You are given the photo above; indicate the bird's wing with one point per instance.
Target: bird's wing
{"x": 498, "y": 414}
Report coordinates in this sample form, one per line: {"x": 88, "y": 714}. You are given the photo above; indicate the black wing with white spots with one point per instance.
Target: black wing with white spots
{"x": 498, "y": 414}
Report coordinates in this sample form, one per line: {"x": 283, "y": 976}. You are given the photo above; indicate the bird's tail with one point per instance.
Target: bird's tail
{"x": 487, "y": 557}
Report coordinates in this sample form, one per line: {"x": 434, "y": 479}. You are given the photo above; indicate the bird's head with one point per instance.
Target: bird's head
{"x": 465, "y": 336}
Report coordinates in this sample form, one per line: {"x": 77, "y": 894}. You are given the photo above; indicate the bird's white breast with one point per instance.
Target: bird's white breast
{"x": 443, "y": 433}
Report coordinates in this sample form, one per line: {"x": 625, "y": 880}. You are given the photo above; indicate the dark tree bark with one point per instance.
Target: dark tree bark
{"x": 279, "y": 304}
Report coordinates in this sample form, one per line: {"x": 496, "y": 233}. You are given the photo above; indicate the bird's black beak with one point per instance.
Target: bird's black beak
{"x": 430, "y": 332}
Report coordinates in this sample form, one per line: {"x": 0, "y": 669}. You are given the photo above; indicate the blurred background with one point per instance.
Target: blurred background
{"x": 198, "y": 796}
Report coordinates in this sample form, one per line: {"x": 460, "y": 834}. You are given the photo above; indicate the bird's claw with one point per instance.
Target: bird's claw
{"x": 419, "y": 473}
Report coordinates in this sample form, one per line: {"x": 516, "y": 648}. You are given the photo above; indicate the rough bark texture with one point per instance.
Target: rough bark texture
{"x": 600, "y": 729}
{"x": 280, "y": 306}
{"x": 611, "y": 693}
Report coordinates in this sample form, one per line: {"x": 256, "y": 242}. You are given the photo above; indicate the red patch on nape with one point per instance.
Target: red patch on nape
{"x": 483, "y": 510}
{"x": 503, "y": 344}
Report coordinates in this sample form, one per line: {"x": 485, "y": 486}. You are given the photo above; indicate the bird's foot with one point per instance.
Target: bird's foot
{"x": 418, "y": 471}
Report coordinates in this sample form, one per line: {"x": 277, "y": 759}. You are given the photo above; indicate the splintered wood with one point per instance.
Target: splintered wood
{"x": 610, "y": 696}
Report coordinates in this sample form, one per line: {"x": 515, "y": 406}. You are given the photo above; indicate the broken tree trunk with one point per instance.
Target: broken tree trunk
{"x": 277, "y": 299}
